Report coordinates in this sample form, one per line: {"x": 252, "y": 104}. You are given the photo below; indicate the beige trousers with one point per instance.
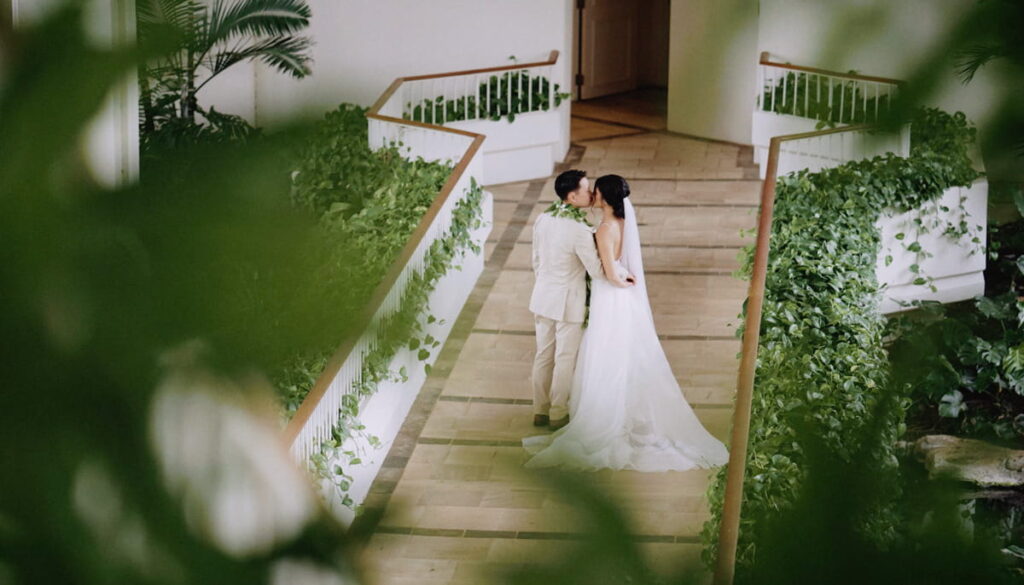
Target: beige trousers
{"x": 558, "y": 343}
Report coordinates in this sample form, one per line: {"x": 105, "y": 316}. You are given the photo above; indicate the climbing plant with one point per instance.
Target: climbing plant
{"x": 822, "y": 367}
{"x": 368, "y": 204}
{"x": 964, "y": 362}
{"x": 500, "y": 96}
{"x": 403, "y": 329}
{"x": 825, "y": 99}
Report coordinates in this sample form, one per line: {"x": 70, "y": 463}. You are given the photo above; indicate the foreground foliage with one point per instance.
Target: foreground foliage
{"x": 817, "y": 538}
{"x": 204, "y": 41}
{"x": 822, "y": 365}
{"x": 965, "y": 362}
{"x": 98, "y": 285}
{"x": 368, "y": 204}
{"x": 500, "y": 96}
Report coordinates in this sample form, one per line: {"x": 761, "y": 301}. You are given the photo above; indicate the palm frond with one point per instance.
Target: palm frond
{"x": 971, "y": 59}
{"x": 257, "y": 18}
{"x": 286, "y": 54}
{"x": 163, "y": 16}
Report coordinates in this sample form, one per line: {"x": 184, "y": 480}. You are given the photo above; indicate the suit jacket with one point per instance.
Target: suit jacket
{"x": 563, "y": 252}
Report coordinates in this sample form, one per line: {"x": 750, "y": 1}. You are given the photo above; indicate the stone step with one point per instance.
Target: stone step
{"x": 408, "y": 559}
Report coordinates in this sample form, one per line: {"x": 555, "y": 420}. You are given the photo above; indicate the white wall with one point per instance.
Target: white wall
{"x": 874, "y": 37}
{"x": 110, "y": 145}
{"x": 362, "y": 46}
{"x": 712, "y": 57}
{"x": 232, "y": 92}
{"x": 715, "y": 44}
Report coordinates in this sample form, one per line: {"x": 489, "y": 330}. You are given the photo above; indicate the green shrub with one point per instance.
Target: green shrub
{"x": 964, "y": 362}
{"x": 814, "y": 96}
{"x": 369, "y": 203}
{"x": 527, "y": 94}
{"x": 821, "y": 364}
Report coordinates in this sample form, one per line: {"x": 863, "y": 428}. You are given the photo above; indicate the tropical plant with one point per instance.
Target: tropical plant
{"x": 500, "y": 96}
{"x": 820, "y": 98}
{"x": 101, "y": 286}
{"x": 965, "y": 362}
{"x": 988, "y": 32}
{"x": 821, "y": 362}
{"x": 995, "y": 36}
{"x": 207, "y": 41}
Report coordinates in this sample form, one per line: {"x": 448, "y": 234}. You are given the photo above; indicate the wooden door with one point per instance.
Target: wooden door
{"x": 608, "y": 46}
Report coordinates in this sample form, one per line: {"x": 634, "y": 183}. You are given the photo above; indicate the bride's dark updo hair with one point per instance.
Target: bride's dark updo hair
{"x": 614, "y": 190}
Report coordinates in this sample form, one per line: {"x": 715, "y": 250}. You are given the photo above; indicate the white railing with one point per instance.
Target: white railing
{"x": 479, "y": 94}
{"x": 319, "y": 413}
{"x": 823, "y": 151}
{"x": 513, "y": 105}
{"x": 807, "y": 92}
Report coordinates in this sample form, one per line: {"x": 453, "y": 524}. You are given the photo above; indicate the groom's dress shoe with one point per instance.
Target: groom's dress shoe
{"x": 541, "y": 420}
{"x": 557, "y": 424}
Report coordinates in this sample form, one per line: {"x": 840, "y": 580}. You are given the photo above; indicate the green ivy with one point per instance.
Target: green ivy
{"x": 403, "y": 329}
{"x": 964, "y": 362}
{"x": 831, "y": 102}
{"x": 368, "y": 203}
{"x": 822, "y": 366}
{"x": 527, "y": 94}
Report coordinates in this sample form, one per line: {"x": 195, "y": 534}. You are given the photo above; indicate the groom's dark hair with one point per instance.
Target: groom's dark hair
{"x": 567, "y": 182}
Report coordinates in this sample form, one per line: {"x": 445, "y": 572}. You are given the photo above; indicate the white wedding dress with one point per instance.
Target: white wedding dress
{"x": 626, "y": 409}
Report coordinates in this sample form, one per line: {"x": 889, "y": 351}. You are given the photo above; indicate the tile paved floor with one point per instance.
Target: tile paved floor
{"x": 454, "y": 503}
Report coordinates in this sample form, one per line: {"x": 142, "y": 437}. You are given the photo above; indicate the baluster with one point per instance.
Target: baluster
{"x": 842, "y": 100}
{"x": 508, "y": 92}
{"x": 876, "y": 101}
{"x": 817, "y": 95}
{"x": 807, "y": 93}
{"x": 433, "y": 101}
{"x": 550, "y": 73}
{"x": 785, "y": 85}
{"x": 487, "y": 112}
{"x": 864, "y": 103}
{"x": 476, "y": 85}
{"x": 521, "y": 90}
{"x": 853, "y": 102}
{"x": 529, "y": 96}
{"x": 829, "y": 99}
{"x": 465, "y": 95}
{"x": 771, "y": 89}
{"x": 444, "y": 100}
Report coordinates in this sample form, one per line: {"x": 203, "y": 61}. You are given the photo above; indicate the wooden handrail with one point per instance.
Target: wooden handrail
{"x": 766, "y": 60}
{"x": 728, "y": 535}
{"x": 552, "y": 59}
{"x": 323, "y": 382}
{"x": 337, "y": 359}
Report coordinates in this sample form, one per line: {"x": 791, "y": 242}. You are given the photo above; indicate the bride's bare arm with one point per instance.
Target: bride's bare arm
{"x": 606, "y": 245}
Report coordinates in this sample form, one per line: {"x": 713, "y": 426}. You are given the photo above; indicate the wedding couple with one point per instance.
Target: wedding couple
{"x": 607, "y": 390}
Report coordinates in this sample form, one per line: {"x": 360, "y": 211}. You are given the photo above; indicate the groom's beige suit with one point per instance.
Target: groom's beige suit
{"x": 563, "y": 252}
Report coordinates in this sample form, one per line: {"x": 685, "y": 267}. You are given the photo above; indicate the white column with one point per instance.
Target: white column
{"x": 110, "y": 144}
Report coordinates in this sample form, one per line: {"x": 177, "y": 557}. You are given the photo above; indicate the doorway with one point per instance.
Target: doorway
{"x": 621, "y": 62}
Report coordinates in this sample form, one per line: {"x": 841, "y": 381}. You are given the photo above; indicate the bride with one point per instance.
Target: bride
{"x": 626, "y": 408}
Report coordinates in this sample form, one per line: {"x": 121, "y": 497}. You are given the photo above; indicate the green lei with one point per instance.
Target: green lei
{"x": 562, "y": 209}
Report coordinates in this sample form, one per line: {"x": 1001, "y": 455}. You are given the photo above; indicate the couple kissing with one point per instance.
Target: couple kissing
{"x": 605, "y": 388}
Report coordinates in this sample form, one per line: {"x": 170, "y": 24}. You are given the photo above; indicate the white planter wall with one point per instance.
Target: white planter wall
{"x": 957, "y": 266}
{"x": 110, "y": 143}
{"x": 384, "y": 412}
{"x": 854, "y": 146}
{"x": 525, "y": 149}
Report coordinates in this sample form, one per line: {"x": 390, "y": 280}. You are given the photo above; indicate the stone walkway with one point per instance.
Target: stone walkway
{"x": 453, "y": 504}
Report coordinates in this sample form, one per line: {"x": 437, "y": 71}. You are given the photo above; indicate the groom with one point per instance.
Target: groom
{"x": 563, "y": 253}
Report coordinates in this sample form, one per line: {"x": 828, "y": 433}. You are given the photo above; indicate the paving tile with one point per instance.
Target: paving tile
{"x": 460, "y": 507}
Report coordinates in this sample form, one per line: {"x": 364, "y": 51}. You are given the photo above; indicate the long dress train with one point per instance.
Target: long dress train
{"x": 626, "y": 410}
